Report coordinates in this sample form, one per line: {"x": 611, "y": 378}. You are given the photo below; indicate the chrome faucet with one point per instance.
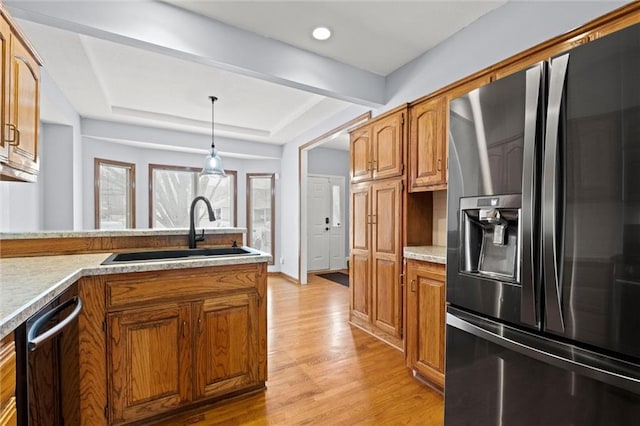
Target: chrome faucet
{"x": 192, "y": 229}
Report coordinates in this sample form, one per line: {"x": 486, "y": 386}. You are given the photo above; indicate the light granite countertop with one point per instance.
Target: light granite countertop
{"x": 114, "y": 233}
{"x": 29, "y": 283}
{"x": 434, "y": 254}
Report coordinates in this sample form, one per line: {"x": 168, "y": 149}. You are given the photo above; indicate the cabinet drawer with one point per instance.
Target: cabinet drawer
{"x": 7, "y": 374}
{"x": 185, "y": 284}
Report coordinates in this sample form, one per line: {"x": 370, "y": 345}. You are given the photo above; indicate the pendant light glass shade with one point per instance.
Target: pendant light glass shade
{"x": 213, "y": 162}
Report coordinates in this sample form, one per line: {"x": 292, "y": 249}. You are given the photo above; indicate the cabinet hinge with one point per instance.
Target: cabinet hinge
{"x": 106, "y": 411}
{"x": 401, "y": 280}
{"x": 104, "y": 326}
{"x": 402, "y": 186}
{"x": 402, "y": 119}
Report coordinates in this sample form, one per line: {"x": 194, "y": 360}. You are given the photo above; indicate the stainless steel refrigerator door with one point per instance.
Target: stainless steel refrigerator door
{"x": 591, "y": 195}
{"x": 497, "y": 374}
{"x": 494, "y": 150}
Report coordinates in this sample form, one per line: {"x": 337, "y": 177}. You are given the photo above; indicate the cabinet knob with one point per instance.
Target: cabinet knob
{"x": 413, "y": 286}
{"x": 439, "y": 165}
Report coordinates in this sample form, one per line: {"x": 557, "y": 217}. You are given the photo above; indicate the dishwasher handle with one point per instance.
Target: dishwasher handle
{"x": 34, "y": 340}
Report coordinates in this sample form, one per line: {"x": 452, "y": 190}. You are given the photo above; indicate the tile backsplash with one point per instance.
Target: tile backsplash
{"x": 439, "y": 218}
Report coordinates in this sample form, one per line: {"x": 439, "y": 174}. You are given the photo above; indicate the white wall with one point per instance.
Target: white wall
{"x": 20, "y": 207}
{"x": 57, "y": 177}
{"x": 512, "y": 28}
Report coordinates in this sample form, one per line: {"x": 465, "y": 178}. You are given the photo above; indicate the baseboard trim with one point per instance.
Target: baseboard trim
{"x": 284, "y": 276}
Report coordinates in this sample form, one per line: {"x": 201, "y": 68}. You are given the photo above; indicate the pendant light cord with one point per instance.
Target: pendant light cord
{"x": 213, "y": 99}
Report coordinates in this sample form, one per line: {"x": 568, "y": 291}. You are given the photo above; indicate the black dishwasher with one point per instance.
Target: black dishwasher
{"x": 47, "y": 363}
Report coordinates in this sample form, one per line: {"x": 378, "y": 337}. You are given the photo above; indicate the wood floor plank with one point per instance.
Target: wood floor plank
{"x": 324, "y": 371}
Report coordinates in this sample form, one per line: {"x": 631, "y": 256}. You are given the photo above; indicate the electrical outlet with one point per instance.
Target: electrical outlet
{"x": 282, "y": 260}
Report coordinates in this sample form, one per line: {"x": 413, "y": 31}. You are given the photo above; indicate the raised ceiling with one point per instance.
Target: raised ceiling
{"x": 156, "y": 63}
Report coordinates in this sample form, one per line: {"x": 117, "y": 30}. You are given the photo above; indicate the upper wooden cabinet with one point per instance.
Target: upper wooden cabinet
{"x": 19, "y": 107}
{"x": 377, "y": 148}
{"x": 428, "y": 145}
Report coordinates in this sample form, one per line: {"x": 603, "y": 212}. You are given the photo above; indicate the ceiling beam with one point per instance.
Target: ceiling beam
{"x": 169, "y": 30}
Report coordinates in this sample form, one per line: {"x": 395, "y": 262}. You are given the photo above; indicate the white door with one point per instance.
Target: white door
{"x": 318, "y": 212}
{"x": 326, "y": 228}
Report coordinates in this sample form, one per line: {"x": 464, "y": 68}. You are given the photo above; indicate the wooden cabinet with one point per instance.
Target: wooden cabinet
{"x": 226, "y": 345}
{"x": 179, "y": 337}
{"x": 150, "y": 343}
{"x": 377, "y": 148}
{"x": 425, "y": 316}
{"x": 150, "y": 361}
{"x": 8, "y": 412}
{"x": 428, "y": 145}
{"x": 376, "y": 258}
{"x": 19, "y": 108}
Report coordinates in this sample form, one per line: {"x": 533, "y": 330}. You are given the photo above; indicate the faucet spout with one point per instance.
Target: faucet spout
{"x": 192, "y": 229}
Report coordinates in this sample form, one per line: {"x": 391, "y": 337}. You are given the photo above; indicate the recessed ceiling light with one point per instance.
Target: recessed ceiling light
{"x": 321, "y": 33}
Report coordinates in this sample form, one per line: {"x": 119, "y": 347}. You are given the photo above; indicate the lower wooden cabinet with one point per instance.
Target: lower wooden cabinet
{"x": 8, "y": 412}
{"x": 151, "y": 351}
{"x": 425, "y": 310}
{"x": 226, "y": 344}
{"x": 154, "y": 342}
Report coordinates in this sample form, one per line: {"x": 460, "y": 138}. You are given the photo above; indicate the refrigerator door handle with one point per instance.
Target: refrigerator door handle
{"x": 553, "y": 307}
{"x": 528, "y": 311}
{"x": 586, "y": 363}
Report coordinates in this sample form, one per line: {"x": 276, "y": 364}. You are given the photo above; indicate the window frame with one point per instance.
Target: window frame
{"x": 97, "y": 162}
{"x": 272, "y": 177}
{"x": 153, "y": 167}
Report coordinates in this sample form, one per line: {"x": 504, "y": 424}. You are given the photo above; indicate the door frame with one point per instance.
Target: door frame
{"x": 303, "y": 151}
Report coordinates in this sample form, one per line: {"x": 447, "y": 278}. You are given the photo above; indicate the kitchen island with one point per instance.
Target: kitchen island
{"x": 153, "y": 337}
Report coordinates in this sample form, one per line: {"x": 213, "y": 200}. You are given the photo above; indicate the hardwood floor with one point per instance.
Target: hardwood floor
{"x": 324, "y": 371}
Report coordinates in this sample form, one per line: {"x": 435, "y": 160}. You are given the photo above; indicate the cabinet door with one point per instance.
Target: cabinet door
{"x": 360, "y": 243}
{"x": 428, "y": 144}
{"x": 226, "y": 344}
{"x": 150, "y": 361}
{"x": 387, "y": 256}
{"x": 387, "y": 146}
{"x": 426, "y": 320}
{"x": 5, "y": 40}
{"x": 8, "y": 414}
{"x": 24, "y": 112}
{"x": 361, "y": 161}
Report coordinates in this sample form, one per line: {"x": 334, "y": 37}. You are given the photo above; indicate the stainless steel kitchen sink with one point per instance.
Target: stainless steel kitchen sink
{"x": 158, "y": 255}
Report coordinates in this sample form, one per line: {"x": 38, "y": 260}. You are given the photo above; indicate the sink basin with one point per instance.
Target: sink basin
{"x": 149, "y": 256}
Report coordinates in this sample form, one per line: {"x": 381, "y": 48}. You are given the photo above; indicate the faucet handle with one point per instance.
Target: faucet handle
{"x": 201, "y": 236}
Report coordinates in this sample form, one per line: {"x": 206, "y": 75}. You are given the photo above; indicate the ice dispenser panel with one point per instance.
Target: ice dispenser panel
{"x": 490, "y": 237}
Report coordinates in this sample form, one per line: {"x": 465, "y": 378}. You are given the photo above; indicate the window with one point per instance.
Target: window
{"x": 260, "y": 211}
{"x": 114, "y": 189}
{"x": 172, "y": 189}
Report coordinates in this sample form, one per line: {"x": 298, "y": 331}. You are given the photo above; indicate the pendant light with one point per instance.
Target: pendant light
{"x": 213, "y": 162}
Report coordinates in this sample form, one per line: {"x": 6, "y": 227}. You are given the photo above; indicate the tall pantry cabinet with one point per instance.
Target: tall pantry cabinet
{"x": 378, "y": 156}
